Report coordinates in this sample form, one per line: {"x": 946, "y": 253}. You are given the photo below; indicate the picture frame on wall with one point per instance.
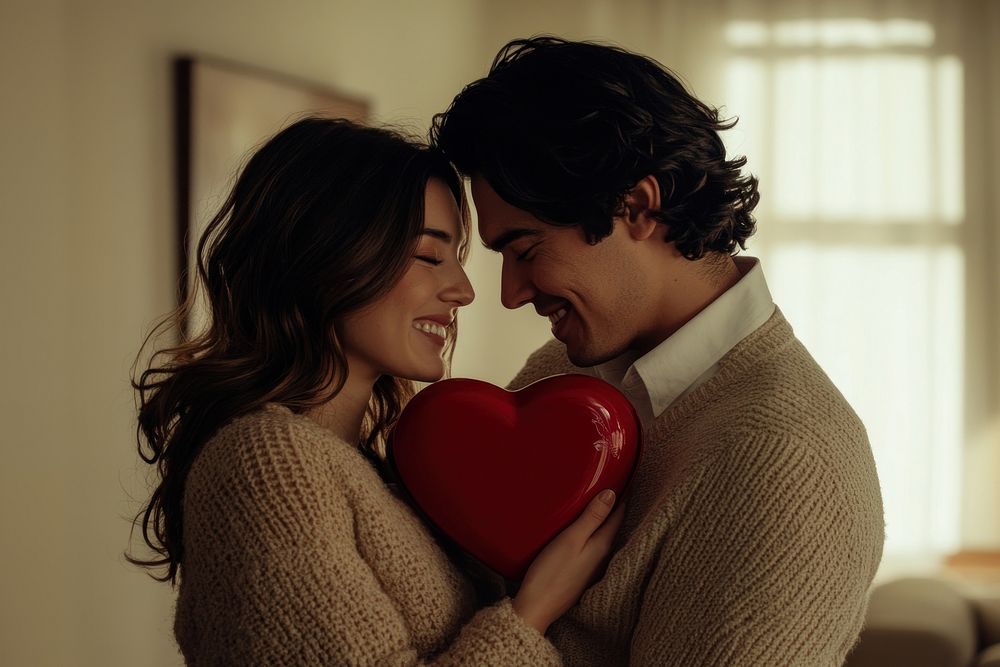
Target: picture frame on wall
{"x": 223, "y": 111}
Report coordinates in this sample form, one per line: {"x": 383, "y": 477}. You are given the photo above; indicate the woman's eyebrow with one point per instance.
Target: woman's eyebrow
{"x": 437, "y": 233}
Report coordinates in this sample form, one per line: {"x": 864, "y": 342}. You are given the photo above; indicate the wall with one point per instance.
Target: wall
{"x": 35, "y": 585}
{"x": 981, "y": 491}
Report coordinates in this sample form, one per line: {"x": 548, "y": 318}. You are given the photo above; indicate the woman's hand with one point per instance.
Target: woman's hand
{"x": 570, "y": 563}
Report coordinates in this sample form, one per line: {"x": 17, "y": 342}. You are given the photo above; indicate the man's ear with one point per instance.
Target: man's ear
{"x": 641, "y": 201}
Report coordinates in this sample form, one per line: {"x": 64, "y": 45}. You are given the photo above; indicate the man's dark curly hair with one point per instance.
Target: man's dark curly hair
{"x": 564, "y": 130}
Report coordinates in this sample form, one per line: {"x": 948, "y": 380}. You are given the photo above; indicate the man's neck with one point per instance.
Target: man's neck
{"x": 690, "y": 288}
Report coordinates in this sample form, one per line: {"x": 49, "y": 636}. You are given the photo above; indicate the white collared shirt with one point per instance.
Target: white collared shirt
{"x": 690, "y": 355}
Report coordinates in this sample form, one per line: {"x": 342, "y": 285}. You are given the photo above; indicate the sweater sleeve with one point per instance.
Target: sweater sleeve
{"x": 282, "y": 580}
{"x": 770, "y": 564}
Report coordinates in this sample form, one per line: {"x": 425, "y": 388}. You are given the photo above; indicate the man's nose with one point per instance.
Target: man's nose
{"x": 516, "y": 288}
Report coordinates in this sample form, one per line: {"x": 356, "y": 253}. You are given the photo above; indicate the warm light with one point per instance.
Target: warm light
{"x": 831, "y": 33}
{"x": 886, "y": 324}
{"x": 747, "y": 33}
{"x": 857, "y": 137}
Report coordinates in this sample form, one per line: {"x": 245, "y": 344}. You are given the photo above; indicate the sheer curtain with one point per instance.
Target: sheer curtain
{"x": 865, "y": 124}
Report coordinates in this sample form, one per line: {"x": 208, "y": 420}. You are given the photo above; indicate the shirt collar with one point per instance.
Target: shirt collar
{"x": 655, "y": 380}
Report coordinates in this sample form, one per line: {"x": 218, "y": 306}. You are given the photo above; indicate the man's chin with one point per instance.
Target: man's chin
{"x": 585, "y": 358}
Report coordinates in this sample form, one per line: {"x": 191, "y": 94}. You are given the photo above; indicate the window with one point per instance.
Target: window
{"x": 855, "y": 129}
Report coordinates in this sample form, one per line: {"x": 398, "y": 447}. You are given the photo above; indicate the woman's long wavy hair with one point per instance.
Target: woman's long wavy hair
{"x": 322, "y": 221}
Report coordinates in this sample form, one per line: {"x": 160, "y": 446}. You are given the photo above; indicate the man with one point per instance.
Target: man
{"x": 754, "y": 523}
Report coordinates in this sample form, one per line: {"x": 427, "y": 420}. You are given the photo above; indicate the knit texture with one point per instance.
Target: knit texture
{"x": 297, "y": 553}
{"x": 753, "y": 526}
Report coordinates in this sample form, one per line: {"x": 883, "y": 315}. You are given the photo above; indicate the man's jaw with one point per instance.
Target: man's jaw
{"x": 568, "y": 327}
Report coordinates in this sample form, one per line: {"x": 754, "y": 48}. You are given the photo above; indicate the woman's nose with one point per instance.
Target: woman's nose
{"x": 460, "y": 289}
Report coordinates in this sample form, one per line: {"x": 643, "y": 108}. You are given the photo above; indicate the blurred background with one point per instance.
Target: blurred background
{"x": 872, "y": 124}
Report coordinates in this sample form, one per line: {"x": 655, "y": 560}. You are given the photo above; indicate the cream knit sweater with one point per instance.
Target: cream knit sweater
{"x": 753, "y": 526}
{"x": 297, "y": 553}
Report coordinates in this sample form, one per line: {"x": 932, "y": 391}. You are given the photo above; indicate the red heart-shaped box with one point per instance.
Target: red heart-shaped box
{"x": 501, "y": 473}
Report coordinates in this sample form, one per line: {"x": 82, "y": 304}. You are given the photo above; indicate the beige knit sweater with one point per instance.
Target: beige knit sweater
{"x": 753, "y": 526}
{"x": 296, "y": 553}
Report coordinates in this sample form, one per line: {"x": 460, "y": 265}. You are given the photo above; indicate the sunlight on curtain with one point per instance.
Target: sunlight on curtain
{"x": 884, "y": 324}
{"x": 854, "y": 127}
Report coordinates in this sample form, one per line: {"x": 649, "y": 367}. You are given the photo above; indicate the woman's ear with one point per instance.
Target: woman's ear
{"x": 640, "y": 203}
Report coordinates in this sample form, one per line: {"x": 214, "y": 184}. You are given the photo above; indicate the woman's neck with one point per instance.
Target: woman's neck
{"x": 344, "y": 413}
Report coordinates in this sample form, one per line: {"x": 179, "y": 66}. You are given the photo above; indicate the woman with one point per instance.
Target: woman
{"x": 333, "y": 274}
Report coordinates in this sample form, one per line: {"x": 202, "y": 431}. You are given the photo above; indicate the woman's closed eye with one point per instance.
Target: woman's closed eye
{"x": 433, "y": 261}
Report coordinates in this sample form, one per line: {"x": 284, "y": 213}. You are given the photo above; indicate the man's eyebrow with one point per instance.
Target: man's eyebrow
{"x": 509, "y": 237}
{"x": 436, "y": 233}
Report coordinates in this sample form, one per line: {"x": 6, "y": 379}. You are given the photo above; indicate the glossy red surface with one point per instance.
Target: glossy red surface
{"x": 501, "y": 473}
